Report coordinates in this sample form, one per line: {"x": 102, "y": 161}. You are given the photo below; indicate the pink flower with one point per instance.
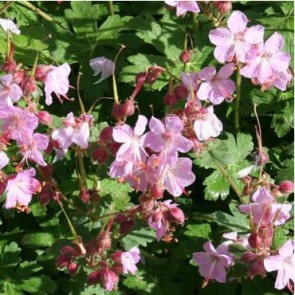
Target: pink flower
{"x": 57, "y": 81}
{"x": 182, "y": 7}
{"x": 207, "y": 124}
{"x": 4, "y": 160}
{"x": 216, "y": 86}
{"x": 165, "y": 214}
{"x": 167, "y": 137}
{"x": 190, "y": 81}
{"x": 265, "y": 210}
{"x": 268, "y": 61}
{"x": 177, "y": 174}
{"x": 237, "y": 41}
{"x": 103, "y": 66}
{"x": 109, "y": 279}
{"x": 20, "y": 188}
{"x": 129, "y": 260}
{"x": 17, "y": 123}
{"x": 9, "y": 91}
{"x": 132, "y": 141}
{"x": 283, "y": 263}
{"x": 213, "y": 262}
{"x": 76, "y": 131}
{"x": 9, "y": 26}
{"x": 31, "y": 148}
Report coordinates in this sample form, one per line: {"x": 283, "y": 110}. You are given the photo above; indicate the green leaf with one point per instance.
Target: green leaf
{"x": 280, "y": 237}
{"x": 199, "y": 231}
{"x": 287, "y": 173}
{"x": 139, "y": 237}
{"x": 138, "y": 283}
{"x": 38, "y": 240}
{"x": 216, "y": 186}
{"x": 9, "y": 258}
{"x": 38, "y": 284}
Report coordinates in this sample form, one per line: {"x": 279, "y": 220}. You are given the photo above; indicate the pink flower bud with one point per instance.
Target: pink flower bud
{"x": 29, "y": 85}
{"x": 185, "y": 56}
{"x": 262, "y": 158}
{"x": 248, "y": 257}
{"x": 41, "y": 72}
{"x": 287, "y": 187}
{"x": 157, "y": 191}
{"x": 117, "y": 111}
{"x": 255, "y": 240}
{"x": 46, "y": 172}
{"x": 18, "y": 77}
{"x": 257, "y": 268}
{"x": 94, "y": 277}
{"x": 114, "y": 147}
{"x": 67, "y": 250}
{"x": 116, "y": 256}
{"x": 117, "y": 268}
{"x": 180, "y": 92}
{"x": 44, "y": 117}
{"x": 73, "y": 268}
{"x": 84, "y": 195}
{"x": 9, "y": 66}
{"x": 177, "y": 215}
{"x": 100, "y": 155}
{"x": 104, "y": 241}
{"x": 106, "y": 134}
{"x": 62, "y": 261}
{"x": 170, "y": 99}
{"x": 223, "y": 6}
{"x": 153, "y": 73}
{"x": 44, "y": 196}
{"x": 128, "y": 108}
{"x": 3, "y": 184}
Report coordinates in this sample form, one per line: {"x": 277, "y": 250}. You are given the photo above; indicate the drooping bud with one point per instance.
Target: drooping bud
{"x": 100, "y": 155}
{"x": 177, "y": 215}
{"x": 180, "y": 92}
{"x": 170, "y": 99}
{"x": 185, "y": 56}
{"x": 29, "y": 85}
{"x": 44, "y": 117}
{"x": 262, "y": 158}
{"x": 62, "y": 261}
{"x": 9, "y": 66}
{"x": 106, "y": 134}
{"x": 140, "y": 78}
{"x": 73, "y": 268}
{"x": 84, "y": 195}
{"x": 286, "y": 187}
{"x": 223, "y": 6}
{"x": 153, "y": 73}
{"x": 104, "y": 241}
{"x": 128, "y": 108}
{"x": 94, "y": 277}
{"x": 117, "y": 111}
{"x": 157, "y": 191}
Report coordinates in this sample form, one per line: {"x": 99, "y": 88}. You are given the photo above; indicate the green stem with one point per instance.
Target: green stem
{"x": 82, "y": 108}
{"x": 238, "y": 98}
{"x": 228, "y": 177}
{"x": 5, "y": 6}
{"x": 110, "y": 8}
{"x": 40, "y": 12}
{"x": 195, "y": 22}
{"x": 172, "y": 75}
{"x": 82, "y": 173}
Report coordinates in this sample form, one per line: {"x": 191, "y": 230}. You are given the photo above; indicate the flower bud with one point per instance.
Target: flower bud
{"x": 117, "y": 268}
{"x": 117, "y": 111}
{"x": 248, "y": 257}
{"x": 44, "y": 196}
{"x": 106, "y": 134}
{"x": 255, "y": 240}
{"x": 128, "y": 108}
{"x": 18, "y": 77}
{"x": 257, "y": 268}
{"x": 286, "y": 187}
{"x": 116, "y": 256}
{"x": 67, "y": 250}
{"x": 262, "y": 158}
{"x": 84, "y": 195}
{"x": 177, "y": 215}
{"x": 41, "y": 72}
{"x": 44, "y": 117}
{"x": 153, "y": 73}
{"x": 62, "y": 261}
{"x": 180, "y": 92}
{"x": 157, "y": 191}
{"x": 94, "y": 277}
{"x": 100, "y": 155}
{"x": 185, "y": 56}
{"x": 104, "y": 241}
{"x": 114, "y": 147}
{"x": 9, "y": 66}
{"x": 29, "y": 85}
{"x": 223, "y": 6}
{"x": 46, "y": 172}
{"x": 170, "y": 99}
{"x": 73, "y": 268}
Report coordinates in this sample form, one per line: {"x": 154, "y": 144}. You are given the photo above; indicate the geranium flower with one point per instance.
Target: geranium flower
{"x": 283, "y": 263}
{"x": 182, "y": 7}
{"x": 216, "y": 86}
{"x": 4, "y": 160}
{"x": 129, "y": 260}
{"x": 9, "y": 91}
{"x": 9, "y": 26}
{"x": 20, "y": 188}
{"x": 57, "y": 81}
{"x": 265, "y": 209}
{"x": 207, "y": 124}
{"x": 237, "y": 40}
{"x": 213, "y": 262}
{"x": 103, "y": 66}
{"x": 167, "y": 137}
{"x": 268, "y": 61}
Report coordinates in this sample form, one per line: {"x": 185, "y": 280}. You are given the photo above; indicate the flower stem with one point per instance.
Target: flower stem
{"x": 238, "y": 98}
{"x": 195, "y": 22}
{"x": 228, "y": 177}
{"x": 82, "y": 108}
{"x": 110, "y": 8}
{"x": 5, "y": 6}
{"x": 82, "y": 173}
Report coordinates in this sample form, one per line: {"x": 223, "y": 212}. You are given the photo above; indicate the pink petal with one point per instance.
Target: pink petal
{"x": 140, "y": 125}
{"x": 274, "y": 43}
{"x": 207, "y": 74}
{"x": 237, "y": 22}
{"x": 220, "y": 36}
{"x": 209, "y": 248}
{"x": 156, "y": 125}
{"x": 204, "y": 90}
{"x": 226, "y": 71}
{"x": 280, "y": 61}
{"x": 254, "y": 34}
{"x": 173, "y": 124}
{"x": 224, "y": 53}
{"x": 122, "y": 133}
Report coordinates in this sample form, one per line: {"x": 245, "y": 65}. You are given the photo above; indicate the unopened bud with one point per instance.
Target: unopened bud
{"x": 9, "y": 66}
{"x": 223, "y": 6}
{"x": 287, "y": 187}
{"x": 104, "y": 241}
{"x": 106, "y": 134}
{"x": 44, "y": 117}
{"x": 140, "y": 78}
{"x": 180, "y": 92}
{"x": 170, "y": 99}
{"x": 128, "y": 108}
{"x": 185, "y": 56}
{"x": 157, "y": 191}
{"x": 84, "y": 195}
{"x": 72, "y": 268}
{"x": 117, "y": 111}
{"x": 177, "y": 215}
{"x": 153, "y": 73}
{"x": 100, "y": 155}
{"x": 94, "y": 277}
{"x": 29, "y": 85}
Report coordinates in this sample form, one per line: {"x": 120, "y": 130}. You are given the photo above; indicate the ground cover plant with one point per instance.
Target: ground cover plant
{"x": 146, "y": 147}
